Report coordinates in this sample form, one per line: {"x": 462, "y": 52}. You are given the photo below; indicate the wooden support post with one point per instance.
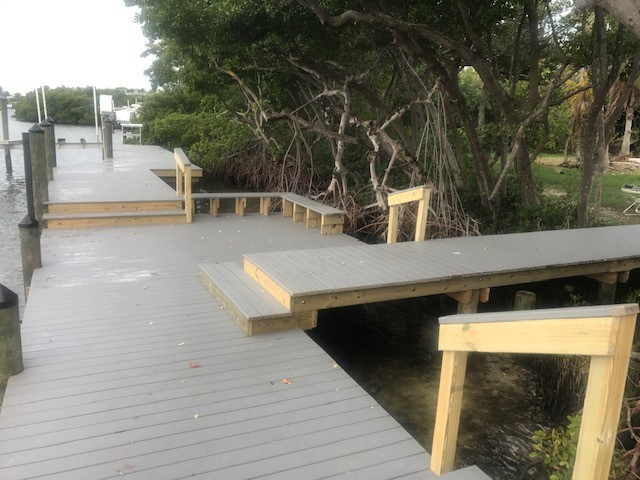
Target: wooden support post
{"x": 10, "y": 342}
{"x": 188, "y": 203}
{"x": 107, "y": 138}
{"x": 605, "y": 389}
{"x": 468, "y": 303}
{"x": 287, "y": 208}
{"x": 4, "y": 113}
{"x": 52, "y": 140}
{"x": 49, "y": 147}
{"x": 178, "y": 180}
{"x": 524, "y": 300}
{"x": 445, "y": 435}
{"x": 38, "y": 170}
{"x": 606, "y": 293}
{"x": 214, "y": 205}
{"x": 423, "y": 213}
{"x": 29, "y": 249}
{"x": 331, "y": 224}
{"x": 392, "y": 231}
{"x": 313, "y": 219}
{"x": 299, "y": 213}
{"x": 241, "y": 204}
{"x": 265, "y": 203}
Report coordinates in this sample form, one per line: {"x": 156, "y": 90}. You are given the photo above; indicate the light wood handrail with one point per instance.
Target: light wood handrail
{"x": 421, "y": 195}
{"x": 183, "y": 174}
{"x": 605, "y": 333}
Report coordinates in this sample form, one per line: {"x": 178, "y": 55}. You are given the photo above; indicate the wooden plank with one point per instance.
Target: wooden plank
{"x": 589, "y": 336}
{"x": 392, "y": 229}
{"x": 405, "y": 196}
{"x": 214, "y": 206}
{"x": 422, "y": 215}
{"x": 83, "y": 207}
{"x": 287, "y": 208}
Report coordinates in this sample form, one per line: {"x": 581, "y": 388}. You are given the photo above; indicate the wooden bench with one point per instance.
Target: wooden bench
{"x": 330, "y": 220}
{"x": 240, "y": 198}
{"x": 316, "y": 214}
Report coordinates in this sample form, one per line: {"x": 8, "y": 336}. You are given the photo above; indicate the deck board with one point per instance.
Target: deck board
{"x": 108, "y": 389}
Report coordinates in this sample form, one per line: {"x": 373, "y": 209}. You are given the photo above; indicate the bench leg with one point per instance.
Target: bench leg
{"x": 287, "y": 208}
{"x": 331, "y": 224}
{"x": 313, "y": 219}
{"x": 214, "y": 205}
{"x": 299, "y": 213}
{"x": 265, "y": 203}
{"x": 241, "y": 204}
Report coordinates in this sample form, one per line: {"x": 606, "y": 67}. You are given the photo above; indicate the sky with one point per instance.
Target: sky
{"x": 75, "y": 43}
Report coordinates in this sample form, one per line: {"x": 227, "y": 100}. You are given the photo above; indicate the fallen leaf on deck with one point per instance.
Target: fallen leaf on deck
{"x": 287, "y": 381}
{"x": 181, "y": 344}
{"x": 193, "y": 365}
{"x": 120, "y": 473}
{"x": 196, "y": 416}
{"x": 150, "y": 323}
{"x": 335, "y": 365}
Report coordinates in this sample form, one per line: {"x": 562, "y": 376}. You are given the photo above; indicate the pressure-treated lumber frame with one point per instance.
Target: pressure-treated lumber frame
{"x": 421, "y": 195}
{"x": 605, "y": 333}
{"x": 183, "y": 174}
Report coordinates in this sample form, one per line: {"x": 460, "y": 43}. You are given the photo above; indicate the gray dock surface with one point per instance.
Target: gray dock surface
{"x": 133, "y": 369}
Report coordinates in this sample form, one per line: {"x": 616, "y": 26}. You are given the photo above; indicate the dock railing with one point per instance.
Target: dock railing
{"x": 421, "y": 195}
{"x": 183, "y": 176}
{"x": 605, "y": 333}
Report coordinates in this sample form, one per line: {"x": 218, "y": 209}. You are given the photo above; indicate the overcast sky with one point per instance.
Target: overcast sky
{"x": 76, "y": 43}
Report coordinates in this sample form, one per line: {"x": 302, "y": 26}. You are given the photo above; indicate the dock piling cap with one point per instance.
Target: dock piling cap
{"x": 8, "y": 298}
{"x": 36, "y": 129}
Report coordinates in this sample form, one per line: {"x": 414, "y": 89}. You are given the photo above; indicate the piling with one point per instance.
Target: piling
{"x": 29, "y": 249}
{"x": 524, "y": 300}
{"x": 4, "y": 113}
{"x": 10, "y": 342}
{"x": 49, "y": 147}
{"x": 29, "y": 226}
{"x": 40, "y": 180}
{"x": 107, "y": 138}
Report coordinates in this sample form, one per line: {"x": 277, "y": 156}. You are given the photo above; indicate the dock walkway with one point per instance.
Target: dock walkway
{"x": 133, "y": 370}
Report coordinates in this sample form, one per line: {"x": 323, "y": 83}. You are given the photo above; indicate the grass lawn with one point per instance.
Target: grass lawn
{"x": 558, "y": 181}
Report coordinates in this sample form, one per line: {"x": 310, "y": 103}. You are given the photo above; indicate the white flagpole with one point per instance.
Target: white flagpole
{"x": 38, "y": 106}
{"x": 44, "y": 103}
{"x": 95, "y": 113}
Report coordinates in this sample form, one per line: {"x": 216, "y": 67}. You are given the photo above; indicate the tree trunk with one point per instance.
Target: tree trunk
{"x": 626, "y": 12}
{"x": 601, "y": 163}
{"x": 625, "y": 149}
{"x": 526, "y": 182}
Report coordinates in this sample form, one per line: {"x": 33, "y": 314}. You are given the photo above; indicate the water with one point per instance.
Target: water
{"x": 13, "y": 200}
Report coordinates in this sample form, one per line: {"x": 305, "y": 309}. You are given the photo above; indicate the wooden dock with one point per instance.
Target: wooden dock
{"x": 132, "y": 369}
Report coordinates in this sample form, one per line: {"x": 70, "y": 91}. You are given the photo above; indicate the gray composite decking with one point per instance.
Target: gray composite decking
{"x": 449, "y": 265}
{"x": 132, "y": 369}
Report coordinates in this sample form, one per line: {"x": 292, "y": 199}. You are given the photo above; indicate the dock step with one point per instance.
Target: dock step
{"x": 119, "y": 206}
{"x": 254, "y": 310}
{"x": 95, "y": 219}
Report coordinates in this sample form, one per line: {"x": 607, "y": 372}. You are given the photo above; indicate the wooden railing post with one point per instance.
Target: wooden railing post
{"x": 605, "y": 333}
{"x": 39, "y": 170}
{"x": 421, "y": 195}
{"x": 183, "y": 173}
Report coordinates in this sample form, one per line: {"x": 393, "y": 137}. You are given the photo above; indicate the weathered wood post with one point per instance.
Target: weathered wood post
{"x": 107, "y": 138}
{"x": 29, "y": 226}
{"x": 40, "y": 181}
{"x": 49, "y": 147}
{"x": 4, "y": 111}
{"x": 10, "y": 343}
{"x": 524, "y": 300}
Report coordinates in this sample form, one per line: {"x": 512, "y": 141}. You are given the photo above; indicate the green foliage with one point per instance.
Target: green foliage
{"x": 210, "y": 138}
{"x": 556, "y": 449}
{"x": 72, "y": 106}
